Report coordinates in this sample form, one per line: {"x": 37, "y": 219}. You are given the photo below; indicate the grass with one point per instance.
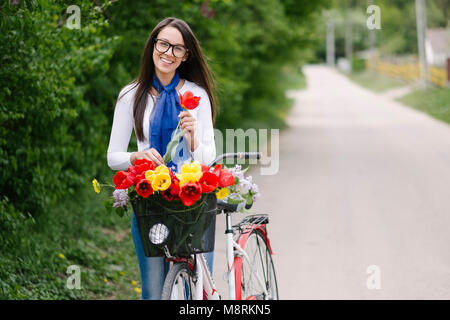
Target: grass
{"x": 375, "y": 81}
{"x": 36, "y": 256}
{"x": 434, "y": 101}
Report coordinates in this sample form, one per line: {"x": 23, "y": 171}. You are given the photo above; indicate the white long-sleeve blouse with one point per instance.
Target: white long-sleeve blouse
{"x": 123, "y": 124}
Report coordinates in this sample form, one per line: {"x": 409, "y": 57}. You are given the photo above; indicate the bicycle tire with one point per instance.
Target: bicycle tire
{"x": 255, "y": 243}
{"x": 179, "y": 283}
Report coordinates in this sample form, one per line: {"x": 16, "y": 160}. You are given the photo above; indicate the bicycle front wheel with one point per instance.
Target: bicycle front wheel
{"x": 179, "y": 283}
{"x": 255, "y": 272}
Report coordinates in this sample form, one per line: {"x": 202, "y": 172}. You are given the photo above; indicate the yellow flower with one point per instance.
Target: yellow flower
{"x": 150, "y": 175}
{"x": 222, "y": 193}
{"x": 161, "y": 181}
{"x": 61, "y": 256}
{"x": 161, "y": 169}
{"x": 138, "y": 290}
{"x": 190, "y": 172}
{"x": 96, "y": 185}
{"x": 105, "y": 280}
{"x": 195, "y": 166}
{"x": 133, "y": 283}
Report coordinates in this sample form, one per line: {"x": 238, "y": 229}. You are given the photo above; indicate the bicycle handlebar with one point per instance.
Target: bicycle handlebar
{"x": 237, "y": 155}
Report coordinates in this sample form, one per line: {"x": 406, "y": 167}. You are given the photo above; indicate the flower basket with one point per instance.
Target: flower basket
{"x": 191, "y": 229}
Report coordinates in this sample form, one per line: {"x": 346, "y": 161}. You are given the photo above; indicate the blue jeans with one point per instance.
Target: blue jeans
{"x": 154, "y": 269}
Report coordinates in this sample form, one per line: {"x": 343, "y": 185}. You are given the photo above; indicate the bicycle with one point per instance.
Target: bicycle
{"x": 251, "y": 272}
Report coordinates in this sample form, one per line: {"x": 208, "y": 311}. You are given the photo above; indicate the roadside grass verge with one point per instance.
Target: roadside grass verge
{"x": 433, "y": 101}
{"x": 76, "y": 232}
{"x": 375, "y": 81}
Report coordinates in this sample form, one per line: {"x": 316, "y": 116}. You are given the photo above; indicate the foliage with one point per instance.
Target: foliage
{"x": 77, "y": 231}
{"x": 48, "y": 142}
{"x": 398, "y": 33}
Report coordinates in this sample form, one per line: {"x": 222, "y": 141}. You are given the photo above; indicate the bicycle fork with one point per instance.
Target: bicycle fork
{"x": 205, "y": 282}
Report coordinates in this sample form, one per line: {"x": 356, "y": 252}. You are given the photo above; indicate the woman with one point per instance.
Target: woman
{"x": 172, "y": 63}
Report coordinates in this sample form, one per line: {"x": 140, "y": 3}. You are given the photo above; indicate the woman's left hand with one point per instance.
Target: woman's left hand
{"x": 187, "y": 124}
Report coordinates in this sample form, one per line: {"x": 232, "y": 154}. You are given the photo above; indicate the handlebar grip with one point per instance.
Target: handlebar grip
{"x": 252, "y": 155}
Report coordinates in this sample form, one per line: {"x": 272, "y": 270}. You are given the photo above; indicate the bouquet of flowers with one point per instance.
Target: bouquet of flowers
{"x": 143, "y": 180}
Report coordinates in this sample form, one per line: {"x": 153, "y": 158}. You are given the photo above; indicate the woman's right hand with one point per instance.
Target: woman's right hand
{"x": 149, "y": 154}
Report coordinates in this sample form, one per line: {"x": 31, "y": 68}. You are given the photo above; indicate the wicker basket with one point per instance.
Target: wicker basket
{"x": 191, "y": 229}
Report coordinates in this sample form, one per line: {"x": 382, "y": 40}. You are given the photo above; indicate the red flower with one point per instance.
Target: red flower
{"x": 142, "y": 165}
{"x": 172, "y": 193}
{"x": 167, "y": 194}
{"x": 208, "y": 182}
{"x": 188, "y": 100}
{"x": 122, "y": 181}
{"x": 144, "y": 188}
{"x": 190, "y": 192}
{"x": 217, "y": 169}
{"x": 205, "y": 168}
{"x": 225, "y": 176}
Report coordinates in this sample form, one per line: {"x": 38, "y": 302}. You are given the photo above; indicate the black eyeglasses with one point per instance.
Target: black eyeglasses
{"x": 178, "y": 51}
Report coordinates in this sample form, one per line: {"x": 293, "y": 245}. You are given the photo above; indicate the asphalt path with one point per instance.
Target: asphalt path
{"x": 360, "y": 206}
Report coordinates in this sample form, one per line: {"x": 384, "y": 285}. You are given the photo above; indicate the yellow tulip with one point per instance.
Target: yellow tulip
{"x": 222, "y": 193}
{"x": 190, "y": 172}
{"x": 161, "y": 169}
{"x": 191, "y": 167}
{"x": 150, "y": 175}
{"x": 161, "y": 181}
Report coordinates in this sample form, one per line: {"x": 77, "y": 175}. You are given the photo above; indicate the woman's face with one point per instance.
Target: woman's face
{"x": 167, "y": 62}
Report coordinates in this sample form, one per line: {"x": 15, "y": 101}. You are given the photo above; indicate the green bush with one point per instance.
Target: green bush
{"x": 358, "y": 64}
{"x": 48, "y": 144}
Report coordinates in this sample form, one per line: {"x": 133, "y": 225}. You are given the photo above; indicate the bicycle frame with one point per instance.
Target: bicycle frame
{"x": 205, "y": 283}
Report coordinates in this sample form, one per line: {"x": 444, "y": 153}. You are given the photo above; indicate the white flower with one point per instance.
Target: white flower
{"x": 244, "y": 186}
{"x": 120, "y": 198}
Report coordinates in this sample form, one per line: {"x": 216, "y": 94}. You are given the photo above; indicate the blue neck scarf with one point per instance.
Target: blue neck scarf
{"x": 164, "y": 117}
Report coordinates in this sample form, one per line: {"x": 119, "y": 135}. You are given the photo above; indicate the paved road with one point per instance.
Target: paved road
{"x": 363, "y": 181}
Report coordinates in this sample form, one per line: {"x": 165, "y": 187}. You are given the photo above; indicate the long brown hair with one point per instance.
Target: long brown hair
{"x": 194, "y": 69}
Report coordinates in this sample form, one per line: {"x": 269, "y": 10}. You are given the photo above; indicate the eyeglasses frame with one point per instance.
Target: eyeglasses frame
{"x": 171, "y": 46}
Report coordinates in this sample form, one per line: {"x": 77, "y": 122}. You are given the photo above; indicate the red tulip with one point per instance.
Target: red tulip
{"x": 172, "y": 193}
{"x": 142, "y": 165}
{"x": 217, "y": 169}
{"x": 188, "y": 100}
{"x": 208, "y": 182}
{"x": 122, "y": 181}
{"x": 144, "y": 188}
{"x": 226, "y": 178}
{"x": 205, "y": 168}
{"x": 190, "y": 192}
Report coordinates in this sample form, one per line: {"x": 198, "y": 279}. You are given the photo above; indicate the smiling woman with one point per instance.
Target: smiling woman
{"x": 172, "y": 66}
